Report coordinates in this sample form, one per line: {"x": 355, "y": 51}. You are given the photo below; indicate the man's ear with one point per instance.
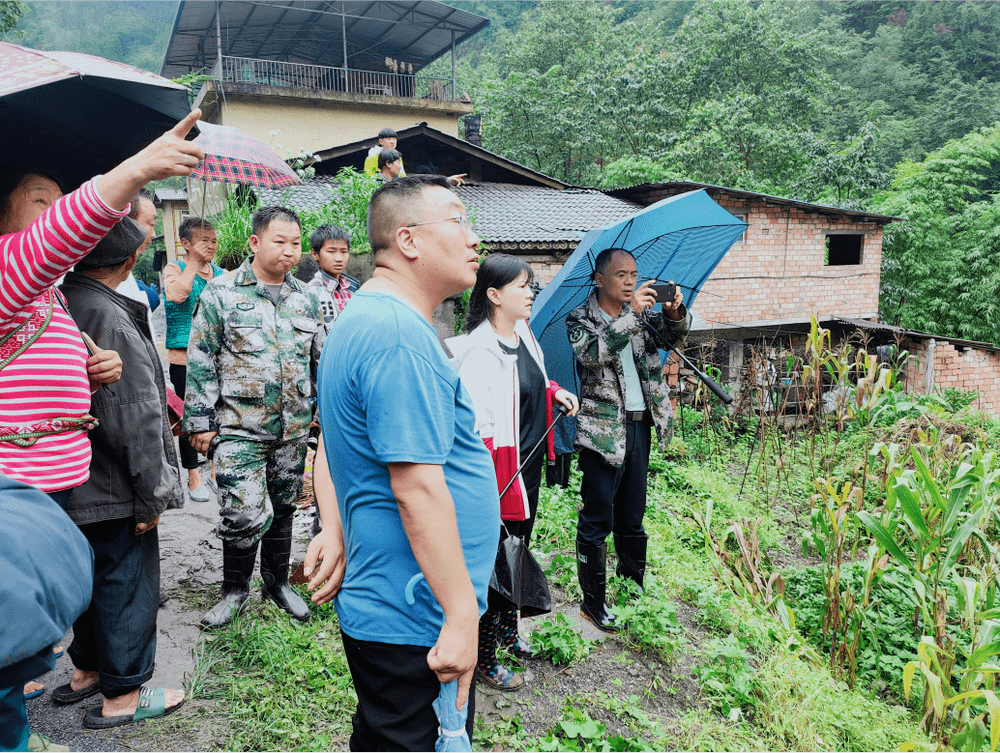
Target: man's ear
{"x": 254, "y": 242}
{"x": 406, "y": 241}
{"x": 599, "y": 279}
{"x": 131, "y": 261}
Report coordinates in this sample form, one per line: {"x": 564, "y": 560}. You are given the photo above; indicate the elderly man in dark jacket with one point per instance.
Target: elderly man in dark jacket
{"x": 133, "y": 478}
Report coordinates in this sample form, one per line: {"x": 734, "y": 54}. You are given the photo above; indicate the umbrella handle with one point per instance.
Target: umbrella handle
{"x": 560, "y": 411}
{"x": 705, "y": 378}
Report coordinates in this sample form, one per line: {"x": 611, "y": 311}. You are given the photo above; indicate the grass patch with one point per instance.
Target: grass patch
{"x": 285, "y": 685}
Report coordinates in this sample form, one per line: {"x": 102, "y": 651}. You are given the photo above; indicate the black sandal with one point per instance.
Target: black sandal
{"x": 65, "y": 695}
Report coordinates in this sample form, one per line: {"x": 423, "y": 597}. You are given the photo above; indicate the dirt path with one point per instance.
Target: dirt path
{"x": 190, "y": 556}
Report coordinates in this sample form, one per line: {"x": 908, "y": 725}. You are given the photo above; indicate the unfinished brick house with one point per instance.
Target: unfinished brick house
{"x": 795, "y": 259}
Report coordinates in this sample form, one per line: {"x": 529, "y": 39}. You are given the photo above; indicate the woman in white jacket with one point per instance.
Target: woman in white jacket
{"x": 501, "y": 366}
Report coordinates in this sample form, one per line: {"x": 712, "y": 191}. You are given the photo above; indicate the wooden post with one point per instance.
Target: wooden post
{"x": 929, "y": 369}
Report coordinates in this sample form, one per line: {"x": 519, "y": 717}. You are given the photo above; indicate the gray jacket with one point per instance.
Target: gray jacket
{"x": 134, "y": 471}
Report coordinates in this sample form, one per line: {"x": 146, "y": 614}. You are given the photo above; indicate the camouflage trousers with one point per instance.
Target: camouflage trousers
{"x": 257, "y": 481}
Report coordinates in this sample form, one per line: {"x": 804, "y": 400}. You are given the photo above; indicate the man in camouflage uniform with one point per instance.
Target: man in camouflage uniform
{"x": 256, "y": 338}
{"x": 622, "y": 395}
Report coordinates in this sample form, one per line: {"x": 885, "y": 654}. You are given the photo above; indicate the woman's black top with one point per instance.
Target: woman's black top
{"x": 533, "y": 389}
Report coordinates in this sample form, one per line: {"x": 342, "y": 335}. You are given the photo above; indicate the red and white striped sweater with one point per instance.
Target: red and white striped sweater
{"x": 49, "y": 379}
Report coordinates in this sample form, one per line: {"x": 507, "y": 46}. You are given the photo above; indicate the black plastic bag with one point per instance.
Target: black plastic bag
{"x": 519, "y": 578}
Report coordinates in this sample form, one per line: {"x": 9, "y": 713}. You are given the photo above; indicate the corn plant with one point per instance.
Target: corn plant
{"x": 933, "y": 529}
{"x": 743, "y": 573}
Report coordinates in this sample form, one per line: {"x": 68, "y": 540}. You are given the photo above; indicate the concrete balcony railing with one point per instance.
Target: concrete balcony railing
{"x": 325, "y": 78}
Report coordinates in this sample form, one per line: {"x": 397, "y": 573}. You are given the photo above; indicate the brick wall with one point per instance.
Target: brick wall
{"x": 777, "y": 271}
{"x": 956, "y": 367}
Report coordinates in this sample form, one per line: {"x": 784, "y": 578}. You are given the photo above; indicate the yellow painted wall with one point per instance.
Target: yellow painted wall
{"x": 317, "y": 125}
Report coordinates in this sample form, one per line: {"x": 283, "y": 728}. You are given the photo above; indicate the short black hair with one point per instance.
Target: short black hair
{"x": 604, "y": 258}
{"x": 392, "y": 206}
{"x": 137, "y": 200}
{"x": 325, "y": 233}
{"x": 387, "y": 157}
{"x": 264, "y": 216}
{"x": 387, "y": 133}
{"x": 190, "y": 225}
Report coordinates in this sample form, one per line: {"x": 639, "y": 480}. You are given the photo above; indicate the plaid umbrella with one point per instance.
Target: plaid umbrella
{"x": 233, "y": 157}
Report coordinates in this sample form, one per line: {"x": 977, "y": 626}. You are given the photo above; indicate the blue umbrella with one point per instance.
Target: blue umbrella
{"x": 682, "y": 238}
{"x": 451, "y": 728}
{"x": 451, "y": 733}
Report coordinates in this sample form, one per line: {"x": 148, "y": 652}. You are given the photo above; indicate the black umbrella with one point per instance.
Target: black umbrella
{"x": 77, "y": 115}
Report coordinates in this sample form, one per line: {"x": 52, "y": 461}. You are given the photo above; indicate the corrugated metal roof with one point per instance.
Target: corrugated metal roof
{"x": 310, "y": 31}
{"x": 893, "y": 330}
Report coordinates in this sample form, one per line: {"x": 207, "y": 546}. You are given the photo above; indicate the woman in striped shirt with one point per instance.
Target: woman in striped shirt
{"x": 46, "y": 377}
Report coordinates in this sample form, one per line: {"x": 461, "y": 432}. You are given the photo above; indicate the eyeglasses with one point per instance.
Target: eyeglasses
{"x": 463, "y": 222}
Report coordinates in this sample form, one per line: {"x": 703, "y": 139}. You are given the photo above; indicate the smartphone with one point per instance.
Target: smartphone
{"x": 665, "y": 291}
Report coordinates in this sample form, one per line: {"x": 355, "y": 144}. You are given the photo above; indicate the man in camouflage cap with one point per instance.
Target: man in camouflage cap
{"x": 622, "y": 395}
{"x": 256, "y": 338}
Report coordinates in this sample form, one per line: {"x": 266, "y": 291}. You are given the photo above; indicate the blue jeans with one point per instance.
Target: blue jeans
{"x": 116, "y": 636}
{"x": 13, "y": 719}
{"x": 614, "y": 499}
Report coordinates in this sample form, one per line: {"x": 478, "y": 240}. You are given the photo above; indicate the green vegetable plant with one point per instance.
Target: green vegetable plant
{"x": 648, "y": 620}
{"x": 558, "y": 641}
{"x": 728, "y": 679}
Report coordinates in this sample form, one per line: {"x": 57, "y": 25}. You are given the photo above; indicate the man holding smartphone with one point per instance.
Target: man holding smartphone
{"x": 622, "y": 396}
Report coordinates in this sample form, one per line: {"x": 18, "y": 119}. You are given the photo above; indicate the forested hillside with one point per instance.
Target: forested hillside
{"x": 133, "y": 32}
{"x": 847, "y": 103}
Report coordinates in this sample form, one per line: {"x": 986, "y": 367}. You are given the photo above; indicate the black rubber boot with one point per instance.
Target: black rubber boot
{"x": 591, "y": 564}
{"x": 275, "y": 551}
{"x": 631, "y": 551}
{"x": 237, "y": 567}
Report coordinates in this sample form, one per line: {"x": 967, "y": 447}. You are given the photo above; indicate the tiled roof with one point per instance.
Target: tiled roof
{"x": 680, "y": 186}
{"x": 507, "y": 216}
{"x": 312, "y": 194}
{"x": 513, "y": 214}
{"x": 170, "y": 194}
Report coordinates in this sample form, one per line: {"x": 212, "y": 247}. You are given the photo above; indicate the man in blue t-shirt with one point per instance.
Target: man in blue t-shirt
{"x": 413, "y": 498}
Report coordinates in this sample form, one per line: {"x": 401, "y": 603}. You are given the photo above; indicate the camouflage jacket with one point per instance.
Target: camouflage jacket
{"x": 252, "y": 364}
{"x": 596, "y": 345}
